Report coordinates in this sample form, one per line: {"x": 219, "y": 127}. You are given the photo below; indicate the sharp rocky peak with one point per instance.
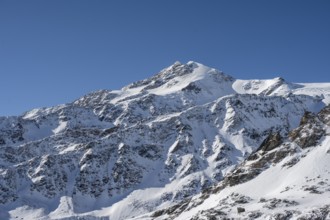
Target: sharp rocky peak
{"x": 192, "y": 70}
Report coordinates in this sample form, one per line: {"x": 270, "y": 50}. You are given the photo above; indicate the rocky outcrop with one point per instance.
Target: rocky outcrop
{"x": 271, "y": 142}
{"x": 309, "y": 132}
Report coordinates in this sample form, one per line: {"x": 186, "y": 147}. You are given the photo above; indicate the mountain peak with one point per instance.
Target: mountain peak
{"x": 193, "y": 80}
{"x": 178, "y": 69}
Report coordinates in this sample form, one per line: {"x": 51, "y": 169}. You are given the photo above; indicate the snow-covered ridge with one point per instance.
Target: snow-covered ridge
{"x": 280, "y": 87}
{"x": 153, "y": 144}
{"x": 214, "y": 83}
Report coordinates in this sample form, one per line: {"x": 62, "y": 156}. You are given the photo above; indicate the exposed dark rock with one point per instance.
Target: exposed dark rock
{"x": 313, "y": 189}
{"x": 309, "y": 132}
{"x": 316, "y": 214}
{"x": 192, "y": 87}
{"x": 271, "y": 142}
{"x": 324, "y": 115}
{"x": 240, "y": 199}
{"x": 241, "y": 177}
{"x": 240, "y": 209}
{"x": 210, "y": 214}
{"x": 283, "y": 216}
{"x": 292, "y": 162}
{"x": 274, "y": 203}
{"x": 253, "y": 156}
{"x": 254, "y": 215}
{"x": 308, "y": 117}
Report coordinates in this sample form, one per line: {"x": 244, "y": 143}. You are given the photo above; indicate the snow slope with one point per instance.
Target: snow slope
{"x": 292, "y": 192}
{"x": 293, "y": 182}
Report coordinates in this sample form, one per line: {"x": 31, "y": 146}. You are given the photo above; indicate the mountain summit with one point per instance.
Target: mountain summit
{"x": 188, "y": 143}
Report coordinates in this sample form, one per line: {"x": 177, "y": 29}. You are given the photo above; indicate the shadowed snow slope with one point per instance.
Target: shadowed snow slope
{"x": 155, "y": 144}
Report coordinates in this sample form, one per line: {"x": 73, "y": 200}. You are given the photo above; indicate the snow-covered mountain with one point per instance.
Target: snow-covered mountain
{"x": 189, "y": 143}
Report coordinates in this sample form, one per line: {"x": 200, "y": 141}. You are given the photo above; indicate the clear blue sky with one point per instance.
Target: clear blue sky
{"x": 52, "y": 52}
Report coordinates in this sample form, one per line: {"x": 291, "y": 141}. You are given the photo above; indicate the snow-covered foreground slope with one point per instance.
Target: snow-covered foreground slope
{"x": 286, "y": 178}
{"x": 152, "y": 145}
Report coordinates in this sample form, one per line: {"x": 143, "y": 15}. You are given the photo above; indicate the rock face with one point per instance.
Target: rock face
{"x": 154, "y": 144}
{"x": 310, "y": 131}
{"x": 307, "y": 168}
{"x": 271, "y": 142}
